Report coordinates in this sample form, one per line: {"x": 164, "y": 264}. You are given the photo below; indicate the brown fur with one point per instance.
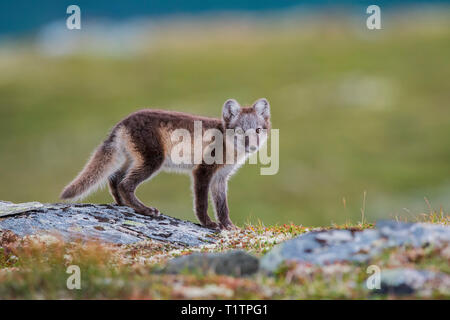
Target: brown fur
{"x": 137, "y": 149}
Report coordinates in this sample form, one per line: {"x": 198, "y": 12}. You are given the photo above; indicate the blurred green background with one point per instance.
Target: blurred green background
{"x": 358, "y": 110}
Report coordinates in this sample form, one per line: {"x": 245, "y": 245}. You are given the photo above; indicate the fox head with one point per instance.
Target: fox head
{"x": 250, "y": 124}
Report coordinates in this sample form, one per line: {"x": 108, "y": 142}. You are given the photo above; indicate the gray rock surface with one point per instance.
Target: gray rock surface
{"x": 9, "y": 208}
{"x": 330, "y": 246}
{"x": 109, "y": 223}
{"x": 405, "y": 281}
{"x": 236, "y": 263}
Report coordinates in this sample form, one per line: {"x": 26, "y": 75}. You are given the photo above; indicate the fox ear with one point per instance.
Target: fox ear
{"x": 230, "y": 110}
{"x": 262, "y": 108}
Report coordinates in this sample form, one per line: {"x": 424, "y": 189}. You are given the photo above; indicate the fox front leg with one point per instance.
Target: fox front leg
{"x": 219, "y": 197}
{"x": 202, "y": 178}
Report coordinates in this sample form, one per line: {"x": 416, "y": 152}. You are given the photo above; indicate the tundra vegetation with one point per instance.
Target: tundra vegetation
{"x": 35, "y": 267}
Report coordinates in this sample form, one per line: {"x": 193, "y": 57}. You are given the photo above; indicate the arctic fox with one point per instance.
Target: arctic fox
{"x": 142, "y": 144}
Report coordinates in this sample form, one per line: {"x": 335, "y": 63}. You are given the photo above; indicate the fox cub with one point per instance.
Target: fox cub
{"x": 141, "y": 145}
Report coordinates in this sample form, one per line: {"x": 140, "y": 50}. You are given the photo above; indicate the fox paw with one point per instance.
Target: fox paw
{"x": 228, "y": 226}
{"x": 149, "y": 211}
{"x": 212, "y": 225}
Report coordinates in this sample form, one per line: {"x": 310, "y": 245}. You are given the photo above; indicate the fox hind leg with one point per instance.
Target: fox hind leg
{"x": 135, "y": 176}
{"x": 115, "y": 179}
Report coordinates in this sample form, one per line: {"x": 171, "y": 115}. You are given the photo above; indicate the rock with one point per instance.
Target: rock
{"x": 405, "y": 281}
{"x": 414, "y": 234}
{"x": 9, "y": 208}
{"x": 236, "y": 263}
{"x": 330, "y": 246}
{"x": 109, "y": 223}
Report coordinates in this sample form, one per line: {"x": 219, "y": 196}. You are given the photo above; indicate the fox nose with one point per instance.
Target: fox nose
{"x": 253, "y": 148}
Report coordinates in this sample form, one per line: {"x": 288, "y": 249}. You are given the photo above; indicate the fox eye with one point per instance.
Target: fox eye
{"x": 239, "y": 131}
{"x": 258, "y": 130}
